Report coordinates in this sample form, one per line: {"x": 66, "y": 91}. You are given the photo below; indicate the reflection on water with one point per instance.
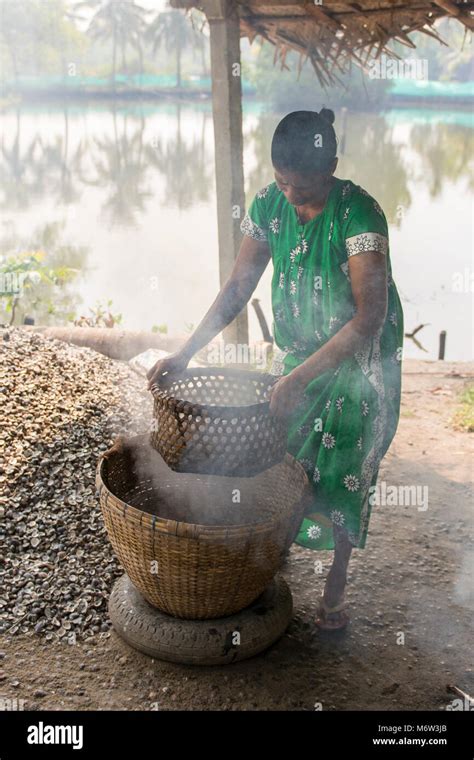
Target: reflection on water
{"x": 135, "y": 186}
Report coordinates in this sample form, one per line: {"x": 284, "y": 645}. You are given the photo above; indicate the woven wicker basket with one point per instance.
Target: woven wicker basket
{"x": 192, "y": 569}
{"x": 216, "y": 420}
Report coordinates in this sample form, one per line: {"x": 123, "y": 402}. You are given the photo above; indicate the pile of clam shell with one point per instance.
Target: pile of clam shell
{"x": 62, "y": 406}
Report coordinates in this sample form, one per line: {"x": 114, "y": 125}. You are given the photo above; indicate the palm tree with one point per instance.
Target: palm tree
{"x": 120, "y": 21}
{"x": 172, "y": 30}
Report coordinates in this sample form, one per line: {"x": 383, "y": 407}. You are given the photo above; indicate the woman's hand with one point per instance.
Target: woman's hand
{"x": 286, "y": 394}
{"x": 172, "y": 363}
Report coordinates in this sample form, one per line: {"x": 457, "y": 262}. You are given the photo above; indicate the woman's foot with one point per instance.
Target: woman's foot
{"x": 332, "y": 618}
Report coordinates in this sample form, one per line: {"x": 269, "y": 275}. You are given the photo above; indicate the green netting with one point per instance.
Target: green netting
{"x": 416, "y": 88}
{"x": 122, "y": 82}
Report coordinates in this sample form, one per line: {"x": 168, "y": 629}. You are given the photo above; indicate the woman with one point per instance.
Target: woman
{"x": 338, "y": 325}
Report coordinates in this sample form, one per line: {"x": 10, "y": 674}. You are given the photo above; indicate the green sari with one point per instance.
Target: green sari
{"x": 343, "y": 428}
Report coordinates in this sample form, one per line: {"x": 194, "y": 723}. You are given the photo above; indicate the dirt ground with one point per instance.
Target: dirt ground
{"x": 410, "y": 593}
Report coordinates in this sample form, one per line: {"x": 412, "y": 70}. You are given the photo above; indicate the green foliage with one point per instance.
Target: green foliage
{"x": 100, "y": 316}
{"x": 38, "y": 37}
{"x": 464, "y": 417}
{"x": 160, "y": 329}
{"x": 47, "y": 268}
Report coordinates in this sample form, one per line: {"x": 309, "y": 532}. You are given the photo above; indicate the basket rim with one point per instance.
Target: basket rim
{"x": 162, "y": 524}
{"x": 162, "y": 395}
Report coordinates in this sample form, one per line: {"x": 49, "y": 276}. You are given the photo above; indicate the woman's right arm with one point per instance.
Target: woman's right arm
{"x": 249, "y": 266}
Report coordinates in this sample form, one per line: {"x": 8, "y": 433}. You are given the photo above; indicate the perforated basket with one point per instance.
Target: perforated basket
{"x": 217, "y": 420}
{"x": 187, "y": 543}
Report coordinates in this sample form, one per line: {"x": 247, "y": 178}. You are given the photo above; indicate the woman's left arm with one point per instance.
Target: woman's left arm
{"x": 368, "y": 274}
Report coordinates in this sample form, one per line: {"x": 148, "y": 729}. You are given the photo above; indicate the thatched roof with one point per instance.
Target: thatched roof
{"x": 334, "y": 33}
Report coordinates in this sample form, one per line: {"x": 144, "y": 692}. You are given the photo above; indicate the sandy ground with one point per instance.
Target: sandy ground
{"x": 410, "y": 593}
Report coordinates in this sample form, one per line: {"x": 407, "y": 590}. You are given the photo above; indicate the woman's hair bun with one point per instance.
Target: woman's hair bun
{"x": 328, "y": 115}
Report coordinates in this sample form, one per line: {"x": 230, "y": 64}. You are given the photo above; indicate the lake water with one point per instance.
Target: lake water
{"x": 134, "y": 185}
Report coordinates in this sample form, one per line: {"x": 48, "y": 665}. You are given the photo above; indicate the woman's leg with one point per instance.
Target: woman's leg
{"x": 335, "y": 584}
{"x": 337, "y": 576}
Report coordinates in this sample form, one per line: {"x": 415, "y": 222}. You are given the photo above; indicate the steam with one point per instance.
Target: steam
{"x": 204, "y": 499}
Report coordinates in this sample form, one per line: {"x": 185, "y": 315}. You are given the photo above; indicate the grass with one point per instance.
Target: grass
{"x": 464, "y": 416}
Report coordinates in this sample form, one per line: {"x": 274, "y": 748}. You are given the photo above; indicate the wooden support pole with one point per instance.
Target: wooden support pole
{"x": 224, "y": 25}
{"x": 442, "y": 344}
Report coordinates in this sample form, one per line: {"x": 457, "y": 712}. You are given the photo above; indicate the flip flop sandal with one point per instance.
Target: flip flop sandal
{"x": 323, "y": 611}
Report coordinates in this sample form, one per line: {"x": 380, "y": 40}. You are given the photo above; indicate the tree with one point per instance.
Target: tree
{"x": 173, "y": 31}
{"x": 17, "y": 31}
{"x": 122, "y": 22}
{"x": 37, "y": 37}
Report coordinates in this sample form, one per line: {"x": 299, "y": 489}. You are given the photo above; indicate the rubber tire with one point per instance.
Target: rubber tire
{"x": 200, "y": 642}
